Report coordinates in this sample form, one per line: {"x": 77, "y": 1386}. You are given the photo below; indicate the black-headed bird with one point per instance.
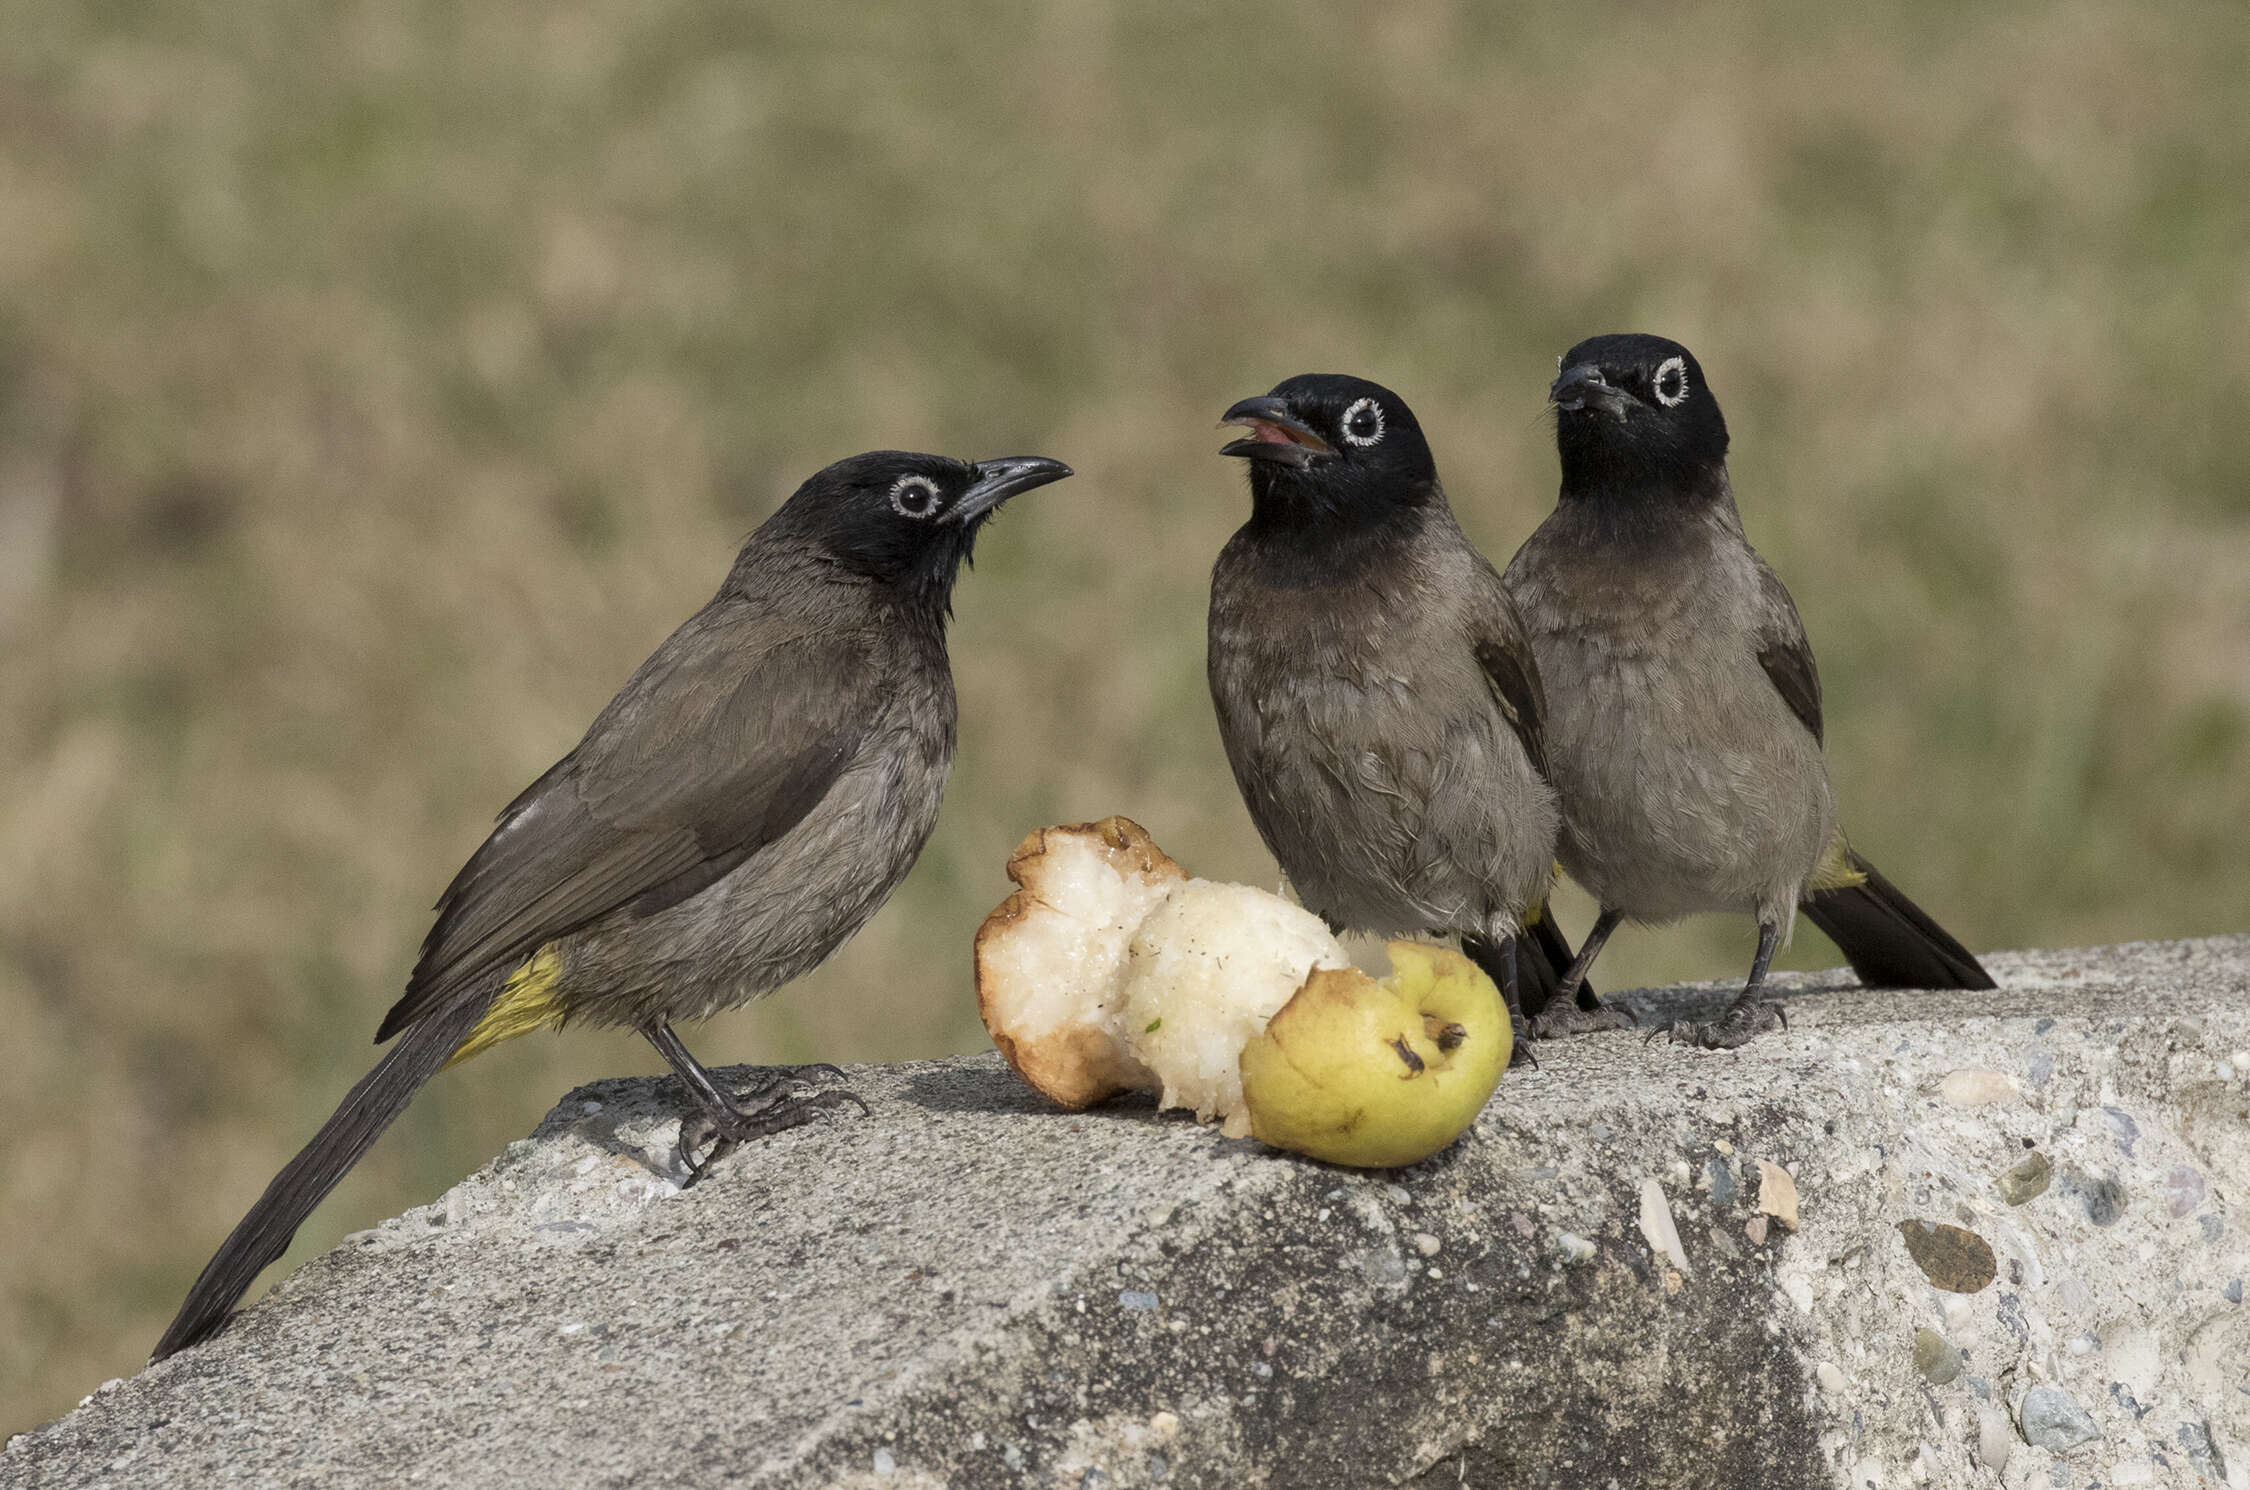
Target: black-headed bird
{"x": 750, "y": 797}
{"x": 1377, "y": 698}
{"x": 1683, "y": 721}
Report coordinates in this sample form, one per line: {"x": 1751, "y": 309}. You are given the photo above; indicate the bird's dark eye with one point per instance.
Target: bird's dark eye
{"x": 1363, "y": 422}
{"x": 914, "y": 496}
{"x": 1670, "y": 382}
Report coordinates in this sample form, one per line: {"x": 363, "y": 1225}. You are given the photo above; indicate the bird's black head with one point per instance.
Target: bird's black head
{"x": 901, "y": 520}
{"x": 1632, "y": 413}
{"x": 1327, "y": 446}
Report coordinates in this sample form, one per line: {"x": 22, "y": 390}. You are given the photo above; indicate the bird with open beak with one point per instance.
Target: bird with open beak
{"x": 1374, "y": 691}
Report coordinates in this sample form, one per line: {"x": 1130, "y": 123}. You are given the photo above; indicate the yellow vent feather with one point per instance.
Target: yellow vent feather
{"x": 526, "y": 1003}
{"x": 1835, "y": 871}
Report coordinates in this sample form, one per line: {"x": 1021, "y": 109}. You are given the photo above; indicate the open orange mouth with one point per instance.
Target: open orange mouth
{"x": 1275, "y": 434}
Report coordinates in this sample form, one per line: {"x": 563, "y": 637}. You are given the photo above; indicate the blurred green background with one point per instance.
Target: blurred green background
{"x": 381, "y": 380}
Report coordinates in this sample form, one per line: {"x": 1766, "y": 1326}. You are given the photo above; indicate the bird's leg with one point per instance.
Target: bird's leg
{"x": 1574, "y": 1010}
{"x": 1574, "y": 980}
{"x": 722, "y": 1117}
{"x": 1511, "y": 991}
{"x": 704, "y": 1088}
{"x": 1751, "y": 1016}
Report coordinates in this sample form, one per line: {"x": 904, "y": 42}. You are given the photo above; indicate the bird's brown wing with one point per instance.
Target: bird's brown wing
{"x": 722, "y": 741}
{"x": 1504, "y": 653}
{"x": 1786, "y": 655}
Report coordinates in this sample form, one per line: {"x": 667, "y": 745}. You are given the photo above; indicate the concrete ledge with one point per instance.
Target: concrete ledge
{"x": 968, "y": 1289}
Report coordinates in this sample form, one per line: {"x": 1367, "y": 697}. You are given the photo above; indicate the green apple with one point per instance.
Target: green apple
{"x": 1379, "y": 1073}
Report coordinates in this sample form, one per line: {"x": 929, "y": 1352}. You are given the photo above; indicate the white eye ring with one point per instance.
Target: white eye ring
{"x": 1364, "y": 406}
{"x": 914, "y": 496}
{"x": 1669, "y": 367}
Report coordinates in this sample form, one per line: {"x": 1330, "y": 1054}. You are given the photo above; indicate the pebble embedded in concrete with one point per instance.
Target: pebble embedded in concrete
{"x": 1718, "y": 1178}
{"x": 2027, "y": 1179}
{"x": 1777, "y": 1194}
{"x": 1951, "y": 1257}
{"x": 1995, "y": 1440}
{"x": 2195, "y": 1440}
{"x": 2183, "y": 1190}
{"x": 2053, "y": 1420}
{"x": 1657, "y": 1228}
{"x": 1938, "y": 1359}
{"x": 2104, "y": 1198}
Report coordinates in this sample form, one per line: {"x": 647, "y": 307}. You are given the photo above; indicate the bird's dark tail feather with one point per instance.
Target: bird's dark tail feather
{"x": 264, "y": 1234}
{"x": 1542, "y": 957}
{"x": 1889, "y": 940}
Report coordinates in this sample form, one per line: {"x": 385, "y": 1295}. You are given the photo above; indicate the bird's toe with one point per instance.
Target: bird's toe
{"x": 734, "y": 1128}
{"x": 1738, "y": 1027}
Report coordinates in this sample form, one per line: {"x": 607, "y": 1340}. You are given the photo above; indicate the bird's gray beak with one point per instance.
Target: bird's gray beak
{"x": 997, "y": 480}
{"x": 1275, "y": 434}
{"x": 1584, "y": 387}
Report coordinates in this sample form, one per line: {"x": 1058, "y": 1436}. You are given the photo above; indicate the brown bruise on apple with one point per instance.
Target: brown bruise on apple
{"x": 1051, "y": 958}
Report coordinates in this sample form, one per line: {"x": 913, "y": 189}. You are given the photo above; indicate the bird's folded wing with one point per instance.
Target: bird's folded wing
{"x": 723, "y": 740}
{"x": 1785, "y": 654}
{"x": 1504, "y": 653}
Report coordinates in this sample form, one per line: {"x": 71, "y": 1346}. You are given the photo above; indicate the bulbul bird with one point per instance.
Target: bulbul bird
{"x": 1379, "y": 704}
{"x": 1683, "y": 725}
{"x": 746, "y": 802}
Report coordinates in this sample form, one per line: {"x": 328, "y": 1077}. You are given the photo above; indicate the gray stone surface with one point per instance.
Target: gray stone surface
{"x": 969, "y": 1289}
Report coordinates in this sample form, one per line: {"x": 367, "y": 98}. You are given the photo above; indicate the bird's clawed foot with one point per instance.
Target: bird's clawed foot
{"x": 771, "y": 1079}
{"x": 1559, "y": 1020}
{"x": 729, "y": 1128}
{"x": 1748, "y": 1019}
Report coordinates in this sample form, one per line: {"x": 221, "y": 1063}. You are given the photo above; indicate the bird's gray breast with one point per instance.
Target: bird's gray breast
{"x": 781, "y": 911}
{"x": 1373, "y": 759}
{"x": 1686, "y": 783}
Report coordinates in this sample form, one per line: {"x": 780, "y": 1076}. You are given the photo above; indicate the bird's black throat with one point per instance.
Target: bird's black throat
{"x": 1602, "y": 470}
{"x": 1328, "y": 500}
{"x": 1309, "y": 533}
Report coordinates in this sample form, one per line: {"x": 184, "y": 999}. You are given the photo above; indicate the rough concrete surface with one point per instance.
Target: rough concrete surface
{"x": 2020, "y": 1260}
